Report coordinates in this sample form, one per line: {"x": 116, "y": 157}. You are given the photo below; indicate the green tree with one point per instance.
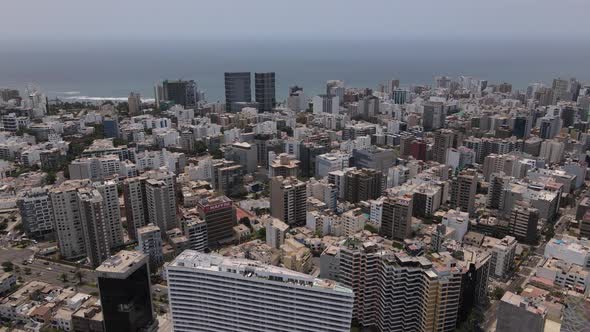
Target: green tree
{"x": 371, "y": 228}
{"x": 497, "y": 293}
{"x": 80, "y": 275}
{"x": 27, "y": 270}
{"x": 50, "y": 178}
{"x": 261, "y": 233}
{"x": 216, "y": 153}
{"x": 7, "y": 266}
{"x": 200, "y": 147}
{"x": 63, "y": 277}
{"x": 549, "y": 232}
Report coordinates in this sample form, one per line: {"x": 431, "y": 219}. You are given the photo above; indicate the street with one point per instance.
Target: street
{"x": 50, "y": 273}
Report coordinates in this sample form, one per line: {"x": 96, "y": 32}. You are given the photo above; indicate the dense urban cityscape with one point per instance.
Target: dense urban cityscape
{"x": 460, "y": 205}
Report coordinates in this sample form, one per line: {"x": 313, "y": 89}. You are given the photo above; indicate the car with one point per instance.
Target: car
{"x": 49, "y": 269}
{"x": 46, "y": 263}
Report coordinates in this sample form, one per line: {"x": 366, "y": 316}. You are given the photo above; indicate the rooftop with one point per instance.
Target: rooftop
{"x": 251, "y": 269}
{"x": 124, "y": 262}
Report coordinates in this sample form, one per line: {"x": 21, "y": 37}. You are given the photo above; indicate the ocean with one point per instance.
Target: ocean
{"x": 112, "y": 69}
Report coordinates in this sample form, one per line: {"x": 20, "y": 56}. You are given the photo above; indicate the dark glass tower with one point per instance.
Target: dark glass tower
{"x": 264, "y": 84}
{"x": 237, "y": 89}
{"x": 125, "y": 293}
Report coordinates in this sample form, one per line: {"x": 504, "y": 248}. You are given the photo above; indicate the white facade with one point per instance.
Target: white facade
{"x": 213, "y": 293}
{"x": 150, "y": 243}
{"x": 457, "y": 220}
{"x": 326, "y": 104}
{"x": 569, "y": 249}
{"x": 329, "y": 162}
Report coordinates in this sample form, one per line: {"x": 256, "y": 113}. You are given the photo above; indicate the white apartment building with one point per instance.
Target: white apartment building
{"x": 459, "y": 221}
{"x": 329, "y": 162}
{"x": 36, "y": 212}
{"x": 241, "y": 295}
{"x": 503, "y": 251}
{"x": 149, "y": 238}
{"x": 195, "y": 229}
{"x": 275, "y": 232}
{"x": 68, "y": 223}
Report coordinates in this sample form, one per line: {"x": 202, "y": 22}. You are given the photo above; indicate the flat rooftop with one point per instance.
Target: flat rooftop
{"x": 251, "y": 269}
{"x": 123, "y": 263}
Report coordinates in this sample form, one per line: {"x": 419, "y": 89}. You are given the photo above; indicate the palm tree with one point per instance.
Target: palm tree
{"x": 80, "y": 275}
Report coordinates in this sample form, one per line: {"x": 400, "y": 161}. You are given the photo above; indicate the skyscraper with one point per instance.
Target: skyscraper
{"x": 125, "y": 293}
{"x": 181, "y": 92}
{"x": 87, "y": 219}
{"x": 68, "y": 221}
{"x": 434, "y": 116}
{"x": 136, "y": 210}
{"x": 288, "y": 200}
{"x": 150, "y": 198}
{"x": 209, "y": 292}
{"x": 463, "y": 191}
{"x": 94, "y": 225}
{"x": 264, "y": 90}
{"x": 237, "y": 88}
{"x": 134, "y": 103}
{"x": 396, "y": 219}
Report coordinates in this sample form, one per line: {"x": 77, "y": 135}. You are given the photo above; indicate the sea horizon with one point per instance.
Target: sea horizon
{"x": 111, "y": 69}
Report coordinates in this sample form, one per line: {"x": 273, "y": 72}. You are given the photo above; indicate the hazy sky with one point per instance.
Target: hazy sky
{"x": 300, "y": 19}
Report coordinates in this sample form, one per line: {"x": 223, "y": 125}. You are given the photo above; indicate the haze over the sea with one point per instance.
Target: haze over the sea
{"x": 114, "y": 68}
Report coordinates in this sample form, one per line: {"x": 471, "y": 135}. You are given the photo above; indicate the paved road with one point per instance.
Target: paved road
{"x": 50, "y": 273}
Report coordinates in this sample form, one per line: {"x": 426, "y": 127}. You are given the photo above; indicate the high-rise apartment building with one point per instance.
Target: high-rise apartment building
{"x": 524, "y": 220}
{"x": 434, "y": 116}
{"x": 87, "y": 219}
{"x": 397, "y": 292}
{"x": 112, "y": 212}
{"x": 264, "y": 91}
{"x": 149, "y": 238}
{"x": 220, "y": 216}
{"x": 237, "y": 88}
{"x": 463, "y": 191}
{"x": 161, "y": 199}
{"x": 136, "y": 210}
{"x": 560, "y": 89}
{"x": 36, "y": 213}
{"x": 288, "y": 200}
{"x": 362, "y": 185}
{"x": 325, "y": 104}
{"x": 181, "y": 92}
{"x": 296, "y": 100}
{"x": 150, "y": 198}
{"x": 396, "y": 218}
{"x": 68, "y": 220}
{"x": 94, "y": 225}
{"x": 134, "y": 103}
{"x": 503, "y": 252}
{"x": 195, "y": 229}
{"x": 443, "y": 140}
{"x": 244, "y": 295}
{"x": 125, "y": 293}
